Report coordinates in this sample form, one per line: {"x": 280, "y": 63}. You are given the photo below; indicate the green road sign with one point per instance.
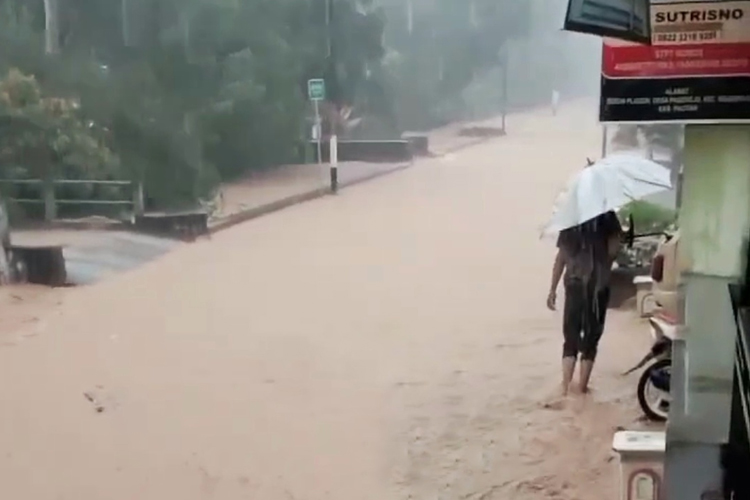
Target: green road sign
{"x": 316, "y": 89}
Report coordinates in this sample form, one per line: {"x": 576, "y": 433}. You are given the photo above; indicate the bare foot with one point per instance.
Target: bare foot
{"x": 556, "y": 401}
{"x": 586, "y": 390}
{"x": 555, "y": 404}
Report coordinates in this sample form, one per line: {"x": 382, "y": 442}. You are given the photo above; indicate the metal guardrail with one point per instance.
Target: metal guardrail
{"x": 51, "y": 202}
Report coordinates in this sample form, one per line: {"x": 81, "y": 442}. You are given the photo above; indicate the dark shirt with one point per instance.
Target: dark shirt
{"x": 585, "y": 249}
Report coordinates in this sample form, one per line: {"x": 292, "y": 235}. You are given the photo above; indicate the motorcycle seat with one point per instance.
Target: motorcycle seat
{"x": 667, "y": 327}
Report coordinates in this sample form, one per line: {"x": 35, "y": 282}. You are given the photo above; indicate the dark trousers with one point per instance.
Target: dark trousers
{"x": 583, "y": 318}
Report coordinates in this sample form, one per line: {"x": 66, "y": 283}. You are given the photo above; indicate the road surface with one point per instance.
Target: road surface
{"x": 390, "y": 342}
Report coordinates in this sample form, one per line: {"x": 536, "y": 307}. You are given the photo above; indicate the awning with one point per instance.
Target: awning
{"x": 624, "y": 19}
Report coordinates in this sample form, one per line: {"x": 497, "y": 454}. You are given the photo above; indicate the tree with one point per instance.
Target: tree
{"x": 186, "y": 92}
{"x": 42, "y": 133}
{"x": 439, "y": 47}
{"x": 45, "y": 137}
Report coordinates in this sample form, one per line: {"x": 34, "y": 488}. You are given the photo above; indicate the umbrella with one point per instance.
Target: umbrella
{"x": 606, "y": 185}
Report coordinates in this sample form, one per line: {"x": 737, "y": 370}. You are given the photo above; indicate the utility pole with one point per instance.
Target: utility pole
{"x": 51, "y": 27}
{"x": 333, "y": 149}
{"x": 329, "y": 15}
{"x": 473, "y": 14}
{"x": 504, "y": 60}
{"x": 51, "y": 49}
{"x": 505, "y": 92}
{"x": 409, "y": 16}
{"x": 125, "y": 22}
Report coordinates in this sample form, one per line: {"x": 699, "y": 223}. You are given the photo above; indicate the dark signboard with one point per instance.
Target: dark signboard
{"x": 697, "y": 68}
{"x": 623, "y": 19}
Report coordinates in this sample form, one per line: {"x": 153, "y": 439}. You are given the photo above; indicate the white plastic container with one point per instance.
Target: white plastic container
{"x": 641, "y": 464}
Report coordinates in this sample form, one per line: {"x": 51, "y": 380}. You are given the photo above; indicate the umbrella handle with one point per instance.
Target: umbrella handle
{"x": 630, "y": 234}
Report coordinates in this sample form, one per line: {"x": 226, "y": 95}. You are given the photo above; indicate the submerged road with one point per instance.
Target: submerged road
{"x": 390, "y": 342}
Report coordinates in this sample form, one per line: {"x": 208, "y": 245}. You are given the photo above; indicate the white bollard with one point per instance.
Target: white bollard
{"x": 641, "y": 464}
{"x": 334, "y": 163}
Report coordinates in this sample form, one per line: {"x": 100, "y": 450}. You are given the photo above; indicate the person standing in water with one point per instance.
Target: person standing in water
{"x": 585, "y": 255}
{"x": 555, "y": 102}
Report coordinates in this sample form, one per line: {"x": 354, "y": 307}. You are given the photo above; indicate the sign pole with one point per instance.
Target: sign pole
{"x": 316, "y": 92}
{"x": 318, "y": 131}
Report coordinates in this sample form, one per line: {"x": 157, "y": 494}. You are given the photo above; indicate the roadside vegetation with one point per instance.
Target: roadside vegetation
{"x": 649, "y": 217}
{"x": 184, "y": 94}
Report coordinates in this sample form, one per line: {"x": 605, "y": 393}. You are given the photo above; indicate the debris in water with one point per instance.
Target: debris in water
{"x": 92, "y": 399}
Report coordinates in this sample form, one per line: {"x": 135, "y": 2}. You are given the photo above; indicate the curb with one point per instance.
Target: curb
{"x": 461, "y": 147}
{"x": 255, "y": 212}
{"x": 482, "y": 140}
{"x": 475, "y": 142}
{"x": 297, "y": 199}
{"x": 290, "y": 201}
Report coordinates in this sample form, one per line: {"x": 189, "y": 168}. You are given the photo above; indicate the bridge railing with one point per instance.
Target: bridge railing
{"x": 51, "y": 201}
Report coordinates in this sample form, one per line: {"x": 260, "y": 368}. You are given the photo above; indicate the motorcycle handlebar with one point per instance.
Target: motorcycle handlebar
{"x": 655, "y": 233}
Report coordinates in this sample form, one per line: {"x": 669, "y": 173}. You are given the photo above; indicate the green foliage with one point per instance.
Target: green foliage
{"x": 183, "y": 94}
{"x": 186, "y": 92}
{"x": 45, "y": 132}
{"x": 648, "y": 217}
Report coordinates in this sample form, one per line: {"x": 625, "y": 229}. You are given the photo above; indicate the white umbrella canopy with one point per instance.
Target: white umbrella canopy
{"x": 608, "y": 184}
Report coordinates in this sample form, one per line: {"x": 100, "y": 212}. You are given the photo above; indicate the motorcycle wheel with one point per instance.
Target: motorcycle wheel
{"x": 644, "y": 384}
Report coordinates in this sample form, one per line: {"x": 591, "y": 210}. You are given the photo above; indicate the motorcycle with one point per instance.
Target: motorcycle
{"x": 655, "y": 380}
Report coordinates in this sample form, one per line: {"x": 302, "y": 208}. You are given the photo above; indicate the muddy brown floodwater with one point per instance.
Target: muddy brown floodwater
{"x": 387, "y": 343}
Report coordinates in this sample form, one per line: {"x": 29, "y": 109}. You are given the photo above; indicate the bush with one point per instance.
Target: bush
{"x": 648, "y": 217}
